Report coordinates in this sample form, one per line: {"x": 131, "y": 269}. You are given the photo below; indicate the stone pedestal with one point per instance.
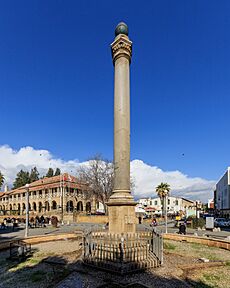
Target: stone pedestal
{"x": 122, "y": 218}
{"x": 121, "y": 205}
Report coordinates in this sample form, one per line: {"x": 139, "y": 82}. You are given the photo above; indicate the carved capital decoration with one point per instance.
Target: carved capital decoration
{"x": 121, "y": 47}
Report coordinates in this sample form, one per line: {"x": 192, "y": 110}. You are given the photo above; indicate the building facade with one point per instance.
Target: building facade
{"x": 222, "y": 194}
{"x": 48, "y": 196}
{"x": 175, "y": 206}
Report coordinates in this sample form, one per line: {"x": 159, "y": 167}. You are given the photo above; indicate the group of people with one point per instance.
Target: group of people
{"x": 42, "y": 221}
{"x": 9, "y": 222}
{"x": 34, "y": 222}
{"x": 37, "y": 221}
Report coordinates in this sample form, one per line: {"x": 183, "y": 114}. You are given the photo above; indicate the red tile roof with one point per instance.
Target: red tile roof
{"x": 49, "y": 182}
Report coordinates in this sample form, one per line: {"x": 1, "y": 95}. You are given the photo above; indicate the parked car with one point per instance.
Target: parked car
{"x": 221, "y": 222}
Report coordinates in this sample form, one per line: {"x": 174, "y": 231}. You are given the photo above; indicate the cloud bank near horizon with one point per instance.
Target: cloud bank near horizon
{"x": 146, "y": 177}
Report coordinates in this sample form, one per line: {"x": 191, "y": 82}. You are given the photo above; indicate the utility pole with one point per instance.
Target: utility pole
{"x": 27, "y": 211}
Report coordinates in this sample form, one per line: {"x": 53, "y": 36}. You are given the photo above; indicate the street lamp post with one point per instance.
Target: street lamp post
{"x": 166, "y": 214}
{"x": 196, "y": 211}
{"x": 27, "y": 211}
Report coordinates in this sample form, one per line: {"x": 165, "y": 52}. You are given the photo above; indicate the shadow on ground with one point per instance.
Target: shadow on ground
{"x": 62, "y": 272}
{"x": 5, "y": 232}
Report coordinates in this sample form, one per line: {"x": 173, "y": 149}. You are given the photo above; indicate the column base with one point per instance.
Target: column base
{"x": 122, "y": 217}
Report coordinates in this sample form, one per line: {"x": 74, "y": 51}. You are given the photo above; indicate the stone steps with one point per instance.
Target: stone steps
{"x": 124, "y": 267}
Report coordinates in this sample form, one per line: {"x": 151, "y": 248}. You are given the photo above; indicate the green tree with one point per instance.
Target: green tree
{"x": 57, "y": 172}
{"x": 34, "y": 175}
{"x": 50, "y": 172}
{"x": 22, "y": 178}
{"x": 2, "y": 179}
{"x": 162, "y": 191}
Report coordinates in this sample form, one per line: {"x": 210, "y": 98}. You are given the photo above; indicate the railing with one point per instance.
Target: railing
{"x": 157, "y": 246}
{"x": 123, "y": 253}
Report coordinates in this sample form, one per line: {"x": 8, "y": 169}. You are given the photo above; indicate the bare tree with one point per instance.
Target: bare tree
{"x": 97, "y": 173}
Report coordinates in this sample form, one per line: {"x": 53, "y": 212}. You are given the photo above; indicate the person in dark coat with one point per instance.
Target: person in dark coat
{"x": 182, "y": 229}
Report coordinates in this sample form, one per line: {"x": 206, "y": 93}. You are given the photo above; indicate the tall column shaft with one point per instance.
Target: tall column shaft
{"x": 121, "y": 125}
{"x": 121, "y": 203}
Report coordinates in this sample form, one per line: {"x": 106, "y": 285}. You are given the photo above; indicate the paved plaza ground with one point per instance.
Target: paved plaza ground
{"x": 19, "y": 232}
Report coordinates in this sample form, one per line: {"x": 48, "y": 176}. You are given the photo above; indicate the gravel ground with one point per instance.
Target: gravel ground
{"x": 35, "y": 272}
{"x": 57, "y": 247}
{"x": 165, "y": 276}
{"x": 168, "y": 276}
{"x": 182, "y": 268}
{"x": 55, "y": 264}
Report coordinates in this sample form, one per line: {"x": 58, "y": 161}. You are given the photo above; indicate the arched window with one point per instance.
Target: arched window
{"x": 19, "y": 207}
{"x": 23, "y": 206}
{"x": 54, "y": 205}
{"x": 88, "y": 207}
{"x": 69, "y": 206}
{"x": 40, "y": 207}
{"x": 79, "y": 206}
{"x": 34, "y": 206}
{"x": 47, "y": 206}
{"x": 10, "y": 207}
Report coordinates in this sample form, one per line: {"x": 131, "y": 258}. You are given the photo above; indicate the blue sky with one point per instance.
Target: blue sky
{"x": 56, "y": 80}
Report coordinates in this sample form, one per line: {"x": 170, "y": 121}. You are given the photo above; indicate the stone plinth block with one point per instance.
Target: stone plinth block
{"x": 122, "y": 218}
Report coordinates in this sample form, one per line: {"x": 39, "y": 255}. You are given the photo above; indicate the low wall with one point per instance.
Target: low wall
{"x": 96, "y": 219}
{"x": 71, "y": 218}
{"x": 224, "y": 244}
{"x": 43, "y": 238}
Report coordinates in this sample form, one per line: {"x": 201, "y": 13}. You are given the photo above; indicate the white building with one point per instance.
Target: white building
{"x": 175, "y": 205}
{"x": 223, "y": 194}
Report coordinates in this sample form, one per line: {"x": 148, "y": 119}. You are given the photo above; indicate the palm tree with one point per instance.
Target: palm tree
{"x": 162, "y": 191}
{"x": 2, "y": 179}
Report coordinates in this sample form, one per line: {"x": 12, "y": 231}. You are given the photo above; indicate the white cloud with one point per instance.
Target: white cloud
{"x": 11, "y": 161}
{"x": 146, "y": 177}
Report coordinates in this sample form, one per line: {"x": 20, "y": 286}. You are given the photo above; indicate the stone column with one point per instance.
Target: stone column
{"x": 121, "y": 203}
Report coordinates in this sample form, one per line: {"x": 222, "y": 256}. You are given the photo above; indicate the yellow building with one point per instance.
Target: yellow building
{"x": 58, "y": 195}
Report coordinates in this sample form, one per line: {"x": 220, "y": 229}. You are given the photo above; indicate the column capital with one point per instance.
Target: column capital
{"x": 121, "y": 47}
